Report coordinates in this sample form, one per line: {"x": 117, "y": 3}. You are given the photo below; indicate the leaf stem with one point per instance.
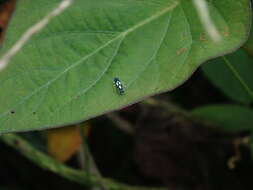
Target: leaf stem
{"x": 44, "y": 161}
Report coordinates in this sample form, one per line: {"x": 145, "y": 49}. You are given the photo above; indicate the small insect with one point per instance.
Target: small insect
{"x": 118, "y": 84}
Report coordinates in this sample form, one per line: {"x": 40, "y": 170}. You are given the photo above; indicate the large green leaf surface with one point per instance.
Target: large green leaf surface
{"x": 64, "y": 74}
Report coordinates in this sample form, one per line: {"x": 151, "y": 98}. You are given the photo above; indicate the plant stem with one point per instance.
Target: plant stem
{"x": 121, "y": 123}
{"x": 177, "y": 111}
{"x": 82, "y": 154}
{"x": 87, "y": 159}
{"x": 171, "y": 108}
{"x": 78, "y": 176}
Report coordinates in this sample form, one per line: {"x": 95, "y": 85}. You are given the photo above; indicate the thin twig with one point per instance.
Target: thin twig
{"x": 32, "y": 31}
{"x": 121, "y": 123}
{"x": 88, "y": 162}
{"x": 172, "y": 108}
{"x": 176, "y": 110}
{"x": 82, "y": 153}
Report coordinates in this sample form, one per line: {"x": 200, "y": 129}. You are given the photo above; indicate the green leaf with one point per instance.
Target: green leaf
{"x": 248, "y": 46}
{"x": 229, "y": 117}
{"x": 232, "y": 74}
{"x": 65, "y": 73}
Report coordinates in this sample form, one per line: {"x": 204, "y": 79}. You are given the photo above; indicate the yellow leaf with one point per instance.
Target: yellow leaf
{"x": 64, "y": 142}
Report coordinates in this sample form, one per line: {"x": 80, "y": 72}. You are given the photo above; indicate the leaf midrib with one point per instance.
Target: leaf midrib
{"x": 121, "y": 35}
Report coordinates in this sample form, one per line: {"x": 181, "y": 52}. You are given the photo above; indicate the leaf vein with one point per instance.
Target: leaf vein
{"x": 122, "y": 34}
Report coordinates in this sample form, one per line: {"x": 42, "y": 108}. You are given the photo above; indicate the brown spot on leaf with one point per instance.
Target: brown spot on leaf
{"x": 202, "y": 37}
{"x": 180, "y": 51}
{"x": 226, "y": 32}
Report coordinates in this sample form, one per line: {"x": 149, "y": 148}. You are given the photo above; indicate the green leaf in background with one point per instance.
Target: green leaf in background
{"x": 65, "y": 73}
{"x": 228, "y": 117}
{"x": 248, "y": 46}
{"x": 220, "y": 74}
